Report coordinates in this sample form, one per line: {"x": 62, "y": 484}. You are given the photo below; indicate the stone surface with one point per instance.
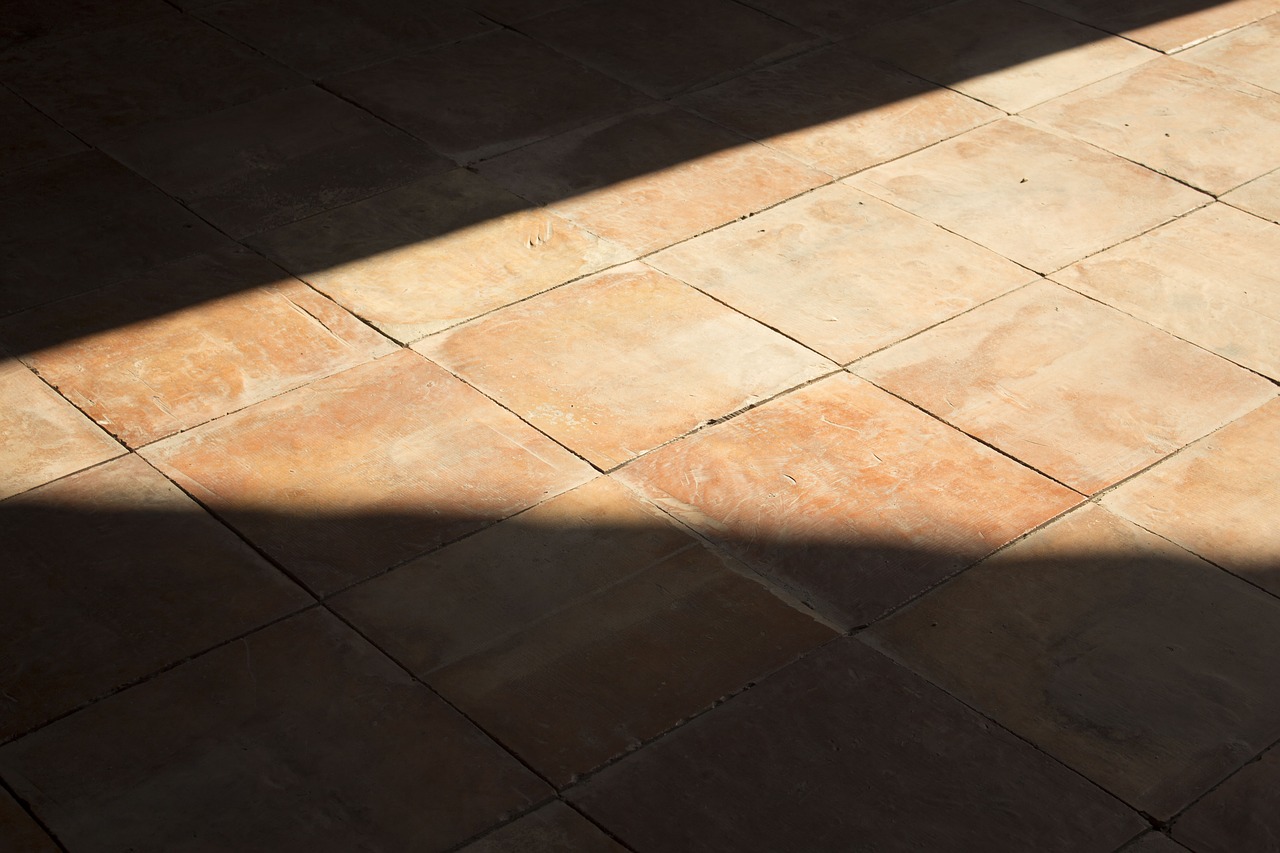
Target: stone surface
{"x": 1034, "y": 197}
{"x": 650, "y": 359}
{"x": 1210, "y": 278}
{"x": 824, "y": 752}
{"x": 42, "y": 436}
{"x": 1260, "y": 197}
{"x": 442, "y": 250}
{"x": 653, "y": 178}
{"x": 1154, "y": 842}
{"x": 853, "y": 498}
{"x": 29, "y": 22}
{"x": 1248, "y": 53}
{"x": 1238, "y": 815}
{"x": 27, "y": 136}
{"x": 1149, "y": 671}
{"x": 1072, "y": 388}
{"x": 553, "y": 827}
{"x": 266, "y": 743}
{"x": 841, "y": 271}
{"x": 1167, "y": 25}
{"x": 18, "y": 832}
{"x": 840, "y": 18}
{"x": 362, "y": 470}
{"x": 110, "y": 575}
{"x": 188, "y": 342}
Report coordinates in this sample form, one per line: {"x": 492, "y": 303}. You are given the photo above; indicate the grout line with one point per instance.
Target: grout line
{"x": 26, "y": 807}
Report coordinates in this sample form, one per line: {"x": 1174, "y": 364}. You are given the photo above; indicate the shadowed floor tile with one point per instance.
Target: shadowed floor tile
{"x": 427, "y": 256}
{"x": 552, "y": 827}
{"x": 42, "y": 436}
{"x": 188, "y": 342}
{"x": 299, "y": 737}
{"x": 28, "y": 22}
{"x": 1073, "y": 388}
{"x": 649, "y": 359}
{"x": 1249, "y": 53}
{"x": 1239, "y": 815}
{"x": 1260, "y": 197}
{"x": 1154, "y": 842}
{"x": 110, "y": 575}
{"x": 841, "y": 271}
{"x": 1167, "y": 25}
{"x": 1210, "y": 278}
{"x": 1034, "y": 197}
{"x": 357, "y": 472}
{"x": 843, "y": 750}
{"x": 28, "y": 137}
{"x": 840, "y": 18}
{"x": 19, "y": 833}
{"x": 854, "y": 498}
{"x": 1148, "y": 670}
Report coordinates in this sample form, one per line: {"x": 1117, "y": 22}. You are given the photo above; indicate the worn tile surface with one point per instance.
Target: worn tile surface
{"x": 1167, "y": 25}
{"x": 1260, "y": 197}
{"x": 839, "y": 18}
{"x": 1248, "y": 53}
{"x": 1154, "y": 842}
{"x": 27, "y": 136}
{"x": 18, "y": 832}
{"x": 1238, "y": 815}
{"x": 553, "y": 827}
{"x": 29, "y": 22}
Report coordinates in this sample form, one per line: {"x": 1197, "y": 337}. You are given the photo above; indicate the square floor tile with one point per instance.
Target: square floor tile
{"x": 581, "y": 628}
{"x": 555, "y": 826}
{"x": 1219, "y": 498}
{"x": 104, "y": 82}
{"x": 841, "y": 750}
{"x": 487, "y": 94}
{"x": 1167, "y": 25}
{"x": 653, "y": 178}
{"x": 1072, "y": 388}
{"x": 1037, "y": 198}
{"x": 1154, "y": 842}
{"x": 355, "y": 473}
{"x": 276, "y": 160}
{"x": 615, "y": 365}
{"x": 1239, "y": 815}
{"x": 854, "y": 499}
{"x": 1192, "y": 123}
{"x": 1003, "y": 52}
{"x": 840, "y": 18}
{"x": 838, "y": 112}
{"x": 119, "y": 225}
{"x": 27, "y": 136}
{"x": 667, "y": 46}
{"x": 300, "y": 737}
{"x": 427, "y": 256}
{"x": 841, "y": 271}
{"x": 513, "y": 11}
{"x": 1248, "y": 53}
{"x": 1260, "y": 197}
{"x": 28, "y": 22}
{"x": 188, "y": 342}
{"x": 42, "y": 436}
{"x": 320, "y": 37}
{"x": 111, "y": 574}
{"x": 18, "y": 832}
{"x": 1149, "y": 671}
{"x": 1210, "y": 278}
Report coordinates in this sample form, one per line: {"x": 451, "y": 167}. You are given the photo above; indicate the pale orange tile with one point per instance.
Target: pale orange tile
{"x": 1003, "y": 52}
{"x": 849, "y": 496}
{"x": 616, "y": 364}
{"x": 1260, "y": 197}
{"x": 1035, "y": 197}
{"x": 365, "y": 469}
{"x": 1248, "y": 53}
{"x": 1211, "y": 278}
{"x": 1219, "y": 498}
{"x": 1073, "y": 388}
{"x": 1192, "y": 123}
{"x": 841, "y": 271}
{"x": 652, "y": 178}
{"x": 1167, "y": 25}
{"x": 42, "y": 436}
{"x": 427, "y": 256}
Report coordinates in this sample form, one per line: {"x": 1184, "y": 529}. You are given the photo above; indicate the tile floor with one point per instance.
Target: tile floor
{"x": 753, "y": 425}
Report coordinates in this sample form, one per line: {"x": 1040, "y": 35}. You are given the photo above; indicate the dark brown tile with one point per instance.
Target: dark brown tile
{"x": 840, "y": 18}
{"x": 1239, "y": 815}
{"x": 110, "y": 575}
{"x": 845, "y": 750}
{"x": 1154, "y": 842}
{"x": 20, "y": 834}
{"x": 300, "y": 737}
{"x": 553, "y": 827}
{"x": 28, "y": 22}
{"x": 27, "y": 136}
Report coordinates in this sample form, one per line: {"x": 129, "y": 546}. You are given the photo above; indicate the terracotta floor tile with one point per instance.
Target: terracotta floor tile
{"x": 853, "y": 498}
{"x": 320, "y": 37}
{"x": 1072, "y": 388}
{"x": 579, "y": 629}
{"x": 838, "y": 112}
{"x": 269, "y": 741}
{"x": 841, "y": 271}
{"x": 103, "y": 82}
{"x": 651, "y": 179}
{"x": 1034, "y": 197}
{"x": 553, "y": 827}
{"x": 27, "y": 136}
{"x": 1147, "y": 670}
{"x": 357, "y": 472}
{"x": 1219, "y": 135}
{"x": 1247, "y": 53}
{"x": 121, "y": 224}
{"x": 42, "y": 436}
{"x": 648, "y": 360}
{"x": 667, "y": 46}
{"x": 840, "y": 18}
{"x": 1167, "y": 25}
{"x": 1219, "y": 498}
{"x": 1240, "y": 815}
{"x": 1210, "y": 278}
{"x": 111, "y": 574}
{"x": 19, "y": 833}
{"x": 427, "y": 256}
{"x": 486, "y": 95}
{"x": 29, "y": 22}
{"x": 1260, "y": 197}
{"x": 219, "y": 332}
{"x": 276, "y": 160}
{"x": 1003, "y": 52}
{"x": 787, "y": 761}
